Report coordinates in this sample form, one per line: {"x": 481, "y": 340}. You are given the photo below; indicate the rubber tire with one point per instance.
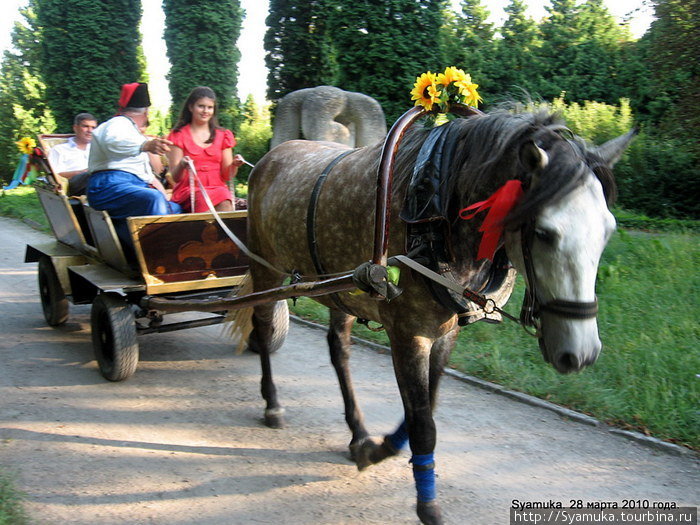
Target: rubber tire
{"x": 114, "y": 337}
{"x": 280, "y": 327}
{"x": 53, "y": 300}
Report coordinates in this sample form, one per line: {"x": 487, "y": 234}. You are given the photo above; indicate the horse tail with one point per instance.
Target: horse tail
{"x": 239, "y": 323}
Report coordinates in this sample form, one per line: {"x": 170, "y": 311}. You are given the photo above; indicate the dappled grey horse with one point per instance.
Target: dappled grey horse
{"x": 553, "y": 232}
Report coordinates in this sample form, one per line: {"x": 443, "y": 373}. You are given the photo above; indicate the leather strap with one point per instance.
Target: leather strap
{"x": 311, "y": 224}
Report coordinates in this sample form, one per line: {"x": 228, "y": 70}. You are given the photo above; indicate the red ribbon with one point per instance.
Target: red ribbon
{"x": 500, "y": 204}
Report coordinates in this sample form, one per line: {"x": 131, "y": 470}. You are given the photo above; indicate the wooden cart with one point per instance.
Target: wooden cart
{"x": 184, "y": 256}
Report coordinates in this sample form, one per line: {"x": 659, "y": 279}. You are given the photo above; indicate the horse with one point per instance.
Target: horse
{"x": 553, "y": 235}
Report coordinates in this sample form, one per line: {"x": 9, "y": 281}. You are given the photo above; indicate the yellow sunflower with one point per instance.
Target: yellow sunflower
{"x": 467, "y": 90}
{"x": 425, "y": 91}
{"x": 26, "y": 145}
{"x": 451, "y": 74}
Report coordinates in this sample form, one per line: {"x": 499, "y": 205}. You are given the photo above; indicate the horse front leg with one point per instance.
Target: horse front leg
{"x": 364, "y": 451}
{"x": 418, "y": 365}
{"x": 259, "y": 342}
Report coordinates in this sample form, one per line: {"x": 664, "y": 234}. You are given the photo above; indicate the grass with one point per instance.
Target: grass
{"x": 11, "y": 510}
{"x": 645, "y": 378}
{"x": 23, "y": 203}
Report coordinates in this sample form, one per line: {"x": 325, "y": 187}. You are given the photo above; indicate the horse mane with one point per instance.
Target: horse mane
{"x": 487, "y": 154}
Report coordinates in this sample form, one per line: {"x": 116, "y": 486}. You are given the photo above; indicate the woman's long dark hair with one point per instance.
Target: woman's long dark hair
{"x": 186, "y": 113}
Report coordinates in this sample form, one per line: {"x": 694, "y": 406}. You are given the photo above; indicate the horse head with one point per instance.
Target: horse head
{"x": 556, "y": 236}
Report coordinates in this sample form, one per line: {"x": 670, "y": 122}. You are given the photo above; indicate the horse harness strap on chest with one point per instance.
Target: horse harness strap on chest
{"x": 488, "y": 305}
{"x": 311, "y": 224}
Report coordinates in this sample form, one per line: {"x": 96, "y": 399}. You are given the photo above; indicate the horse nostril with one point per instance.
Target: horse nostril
{"x": 567, "y": 362}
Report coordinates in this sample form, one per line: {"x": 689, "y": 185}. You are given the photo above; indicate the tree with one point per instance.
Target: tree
{"x": 517, "y": 63}
{"x": 201, "y": 41}
{"x": 298, "y": 47}
{"x": 560, "y": 35}
{"x": 582, "y": 51}
{"x": 23, "y": 109}
{"x": 381, "y": 46}
{"x": 674, "y": 59}
{"x": 474, "y": 37}
{"x": 89, "y": 49}
{"x": 598, "y": 60}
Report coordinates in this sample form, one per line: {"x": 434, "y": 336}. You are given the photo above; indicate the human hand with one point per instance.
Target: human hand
{"x": 185, "y": 162}
{"x": 238, "y": 160}
{"x": 158, "y": 145}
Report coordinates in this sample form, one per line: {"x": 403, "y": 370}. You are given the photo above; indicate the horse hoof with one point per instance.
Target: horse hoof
{"x": 429, "y": 512}
{"x": 361, "y": 452}
{"x": 274, "y": 418}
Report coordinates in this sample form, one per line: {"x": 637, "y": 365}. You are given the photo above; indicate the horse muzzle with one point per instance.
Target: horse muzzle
{"x": 569, "y": 345}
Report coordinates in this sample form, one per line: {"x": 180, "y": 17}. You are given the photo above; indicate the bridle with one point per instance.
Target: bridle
{"x": 532, "y": 307}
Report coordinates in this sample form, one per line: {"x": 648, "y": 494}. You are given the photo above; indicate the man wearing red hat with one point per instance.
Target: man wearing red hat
{"x": 121, "y": 179}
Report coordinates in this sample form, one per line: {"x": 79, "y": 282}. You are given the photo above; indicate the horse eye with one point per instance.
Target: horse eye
{"x": 545, "y": 236}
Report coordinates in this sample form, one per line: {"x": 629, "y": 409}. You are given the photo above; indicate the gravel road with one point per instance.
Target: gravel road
{"x": 181, "y": 442}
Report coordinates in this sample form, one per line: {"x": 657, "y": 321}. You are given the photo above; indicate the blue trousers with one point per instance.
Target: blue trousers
{"x": 123, "y": 194}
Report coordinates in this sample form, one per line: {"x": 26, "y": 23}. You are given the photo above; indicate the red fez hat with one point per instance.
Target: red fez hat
{"x": 134, "y": 95}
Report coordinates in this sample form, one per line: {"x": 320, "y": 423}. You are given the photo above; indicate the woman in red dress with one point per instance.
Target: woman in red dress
{"x": 198, "y": 136}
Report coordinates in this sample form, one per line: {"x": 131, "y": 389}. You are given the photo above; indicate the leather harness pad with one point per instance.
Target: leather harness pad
{"x": 426, "y": 211}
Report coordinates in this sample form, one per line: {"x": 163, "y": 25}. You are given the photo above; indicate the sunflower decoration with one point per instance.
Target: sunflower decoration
{"x": 425, "y": 91}
{"x": 454, "y": 86}
{"x": 26, "y": 145}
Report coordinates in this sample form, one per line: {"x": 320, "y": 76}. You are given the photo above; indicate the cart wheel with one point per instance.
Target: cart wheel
{"x": 53, "y": 300}
{"x": 114, "y": 337}
{"x": 280, "y": 327}
{"x": 280, "y": 324}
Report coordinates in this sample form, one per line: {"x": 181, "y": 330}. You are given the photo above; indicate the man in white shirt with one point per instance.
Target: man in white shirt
{"x": 70, "y": 159}
{"x": 121, "y": 179}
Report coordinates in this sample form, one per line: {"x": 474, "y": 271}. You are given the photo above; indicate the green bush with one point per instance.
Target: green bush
{"x": 658, "y": 176}
{"x": 253, "y": 137}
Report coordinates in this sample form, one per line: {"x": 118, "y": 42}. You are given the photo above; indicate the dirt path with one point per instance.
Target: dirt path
{"x": 181, "y": 442}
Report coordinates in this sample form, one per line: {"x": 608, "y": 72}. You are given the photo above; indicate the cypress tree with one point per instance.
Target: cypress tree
{"x": 560, "y": 35}
{"x": 381, "y": 47}
{"x": 201, "y": 41}
{"x": 582, "y": 51}
{"x": 298, "y": 47}
{"x": 89, "y": 50}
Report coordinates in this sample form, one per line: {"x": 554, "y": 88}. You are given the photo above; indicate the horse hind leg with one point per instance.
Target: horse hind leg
{"x": 260, "y": 342}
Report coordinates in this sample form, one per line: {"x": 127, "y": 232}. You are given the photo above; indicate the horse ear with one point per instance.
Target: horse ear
{"x": 532, "y": 157}
{"x": 612, "y": 150}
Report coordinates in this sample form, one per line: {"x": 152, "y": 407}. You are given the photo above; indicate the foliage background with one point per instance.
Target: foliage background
{"x": 88, "y": 50}
{"x": 577, "y": 57}
{"x": 201, "y": 41}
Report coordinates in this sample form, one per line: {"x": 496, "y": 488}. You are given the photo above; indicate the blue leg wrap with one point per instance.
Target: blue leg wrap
{"x": 424, "y": 474}
{"x": 399, "y": 438}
